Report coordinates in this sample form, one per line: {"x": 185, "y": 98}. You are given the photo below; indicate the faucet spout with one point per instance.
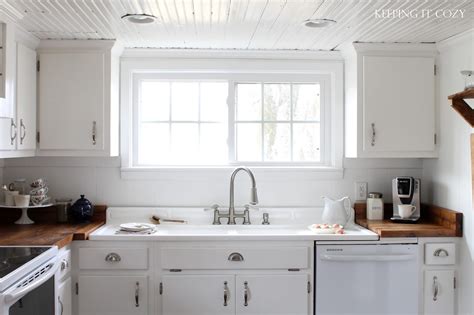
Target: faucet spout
{"x": 253, "y": 195}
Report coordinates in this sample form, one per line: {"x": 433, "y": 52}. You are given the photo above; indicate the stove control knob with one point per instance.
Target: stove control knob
{"x": 64, "y": 264}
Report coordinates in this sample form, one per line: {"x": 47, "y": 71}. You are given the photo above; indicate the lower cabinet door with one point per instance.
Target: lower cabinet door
{"x": 113, "y": 295}
{"x": 198, "y": 294}
{"x": 272, "y": 294}
{"x": 64, "y": 298}
{"x": 439, "y": 292}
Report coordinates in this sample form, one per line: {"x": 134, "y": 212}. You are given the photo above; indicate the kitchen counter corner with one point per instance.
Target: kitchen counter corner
{"x": 45, "y": 230}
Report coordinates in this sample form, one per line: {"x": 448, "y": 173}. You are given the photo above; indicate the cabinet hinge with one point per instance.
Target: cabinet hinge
{"x": 454, "y": 283}
{"x": 38, "y": 137}
{"x": 309, "y": 287}
{"x": 434, "y": 69}
{"x": 38, "y": 65}
{"x": 435, "y": 139}
{"x": 175, "y": 270}
{"x": 77, "y": 288}
{"x": 161, "y": 288}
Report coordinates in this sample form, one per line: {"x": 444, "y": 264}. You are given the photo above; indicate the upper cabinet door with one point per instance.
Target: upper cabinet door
{"x": 26, "y": 98}
{"x": 71, "y": 100}
{"x": 398, "y": 104}
{"x": 272, "y": 294}
{"x": 7, "y": 70}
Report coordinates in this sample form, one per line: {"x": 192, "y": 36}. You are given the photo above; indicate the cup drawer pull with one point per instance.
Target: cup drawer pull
{"x": 440, "y": 252}
{"x": 236, "y": 257}
{"x": 113, "y": 257}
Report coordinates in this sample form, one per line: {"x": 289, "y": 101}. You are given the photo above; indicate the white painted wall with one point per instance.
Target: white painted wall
{"x": 448, "y": 179}
{"x": 100, "y": 180}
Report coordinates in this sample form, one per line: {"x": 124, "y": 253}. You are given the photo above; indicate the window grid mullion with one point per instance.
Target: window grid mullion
{"x": 262, "y": 122}
{"x": 291, "y": 123}
{"x": 199, "y": 117}
{"x": 232, "y": 126}
{"x": 170, "y": 143}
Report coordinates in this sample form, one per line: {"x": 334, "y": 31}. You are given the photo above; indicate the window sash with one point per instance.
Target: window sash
{"x": 232, "y": 80}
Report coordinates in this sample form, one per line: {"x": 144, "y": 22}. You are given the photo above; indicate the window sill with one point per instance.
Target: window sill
{"x": 263, "y": 173}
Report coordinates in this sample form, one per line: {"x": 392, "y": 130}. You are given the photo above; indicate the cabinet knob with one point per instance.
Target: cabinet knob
{"x": 235, "y": 257}
{"x": 113, "y": 257}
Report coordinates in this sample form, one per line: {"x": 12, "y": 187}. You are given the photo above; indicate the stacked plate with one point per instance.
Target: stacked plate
{"x": 136, "y": 228}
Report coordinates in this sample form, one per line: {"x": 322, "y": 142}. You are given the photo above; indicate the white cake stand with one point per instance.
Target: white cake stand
{"x": 25, "y": 219}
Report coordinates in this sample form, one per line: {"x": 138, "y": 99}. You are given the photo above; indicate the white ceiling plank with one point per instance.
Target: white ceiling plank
{"x": 236, "y": 24}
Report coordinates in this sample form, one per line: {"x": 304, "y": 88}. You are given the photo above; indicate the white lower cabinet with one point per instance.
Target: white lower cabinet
{"x": 439, "y": 292}
{"x": 64, "y": 298}
{"x": 272, "y": 294}
{"x": 198, "y": 294}
{"x": 113, "y": 295}
{"x": 235, "y": 294}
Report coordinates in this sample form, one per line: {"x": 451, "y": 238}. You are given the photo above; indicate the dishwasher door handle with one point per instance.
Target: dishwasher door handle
{"x": 388, "y": 257}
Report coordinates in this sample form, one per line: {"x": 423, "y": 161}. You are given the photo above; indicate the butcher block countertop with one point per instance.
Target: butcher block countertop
{"x": 45, "y": 230}
{"x": 434, "y": 222}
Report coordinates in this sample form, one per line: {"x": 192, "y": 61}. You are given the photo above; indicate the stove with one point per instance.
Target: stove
{"x": 17, "y": 261}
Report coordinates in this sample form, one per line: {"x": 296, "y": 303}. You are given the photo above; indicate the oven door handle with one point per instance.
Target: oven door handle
{"x": 389, "y": 257}
{"x": 22, "y": 291}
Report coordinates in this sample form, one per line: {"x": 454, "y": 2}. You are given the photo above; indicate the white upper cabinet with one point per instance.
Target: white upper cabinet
{"x": 78, "y": 98}
{"x": 26, "y": 98}
{"x": 390, "y": 101}
{"x": 18, "y": 106}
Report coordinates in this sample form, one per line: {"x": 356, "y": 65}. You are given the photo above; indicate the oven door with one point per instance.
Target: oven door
{"x": 34, "y": 294}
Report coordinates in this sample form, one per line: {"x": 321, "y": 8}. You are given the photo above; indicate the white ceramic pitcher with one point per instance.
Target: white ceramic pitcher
{"x": 338, "y": 211}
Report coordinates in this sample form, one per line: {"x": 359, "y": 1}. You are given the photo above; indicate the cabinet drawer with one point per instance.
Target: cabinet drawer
{"x": 113, "y": 258}
{"x": 235, "y": 258}
{"x": 440, "y": 254}
{"x": 64, "y": 265}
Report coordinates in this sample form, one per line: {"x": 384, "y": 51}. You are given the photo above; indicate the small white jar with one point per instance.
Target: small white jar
{"x": 375, "y": 206}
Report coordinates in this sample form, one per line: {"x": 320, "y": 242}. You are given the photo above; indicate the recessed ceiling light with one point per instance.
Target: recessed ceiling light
{"x": 141, "y": 18}
{"x": 318, "y": 23}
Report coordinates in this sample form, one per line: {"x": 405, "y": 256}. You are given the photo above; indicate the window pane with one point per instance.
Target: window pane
{"x": 214, "y": 101}
{"x": 276, "y": 102}
{"x": 184, "y": 143}
{"x": 154, "y": 101}
{"x": 307, "y": 102}
{"x": 153, "y": 143}
{"x": 249, "y": 142}
{"x": 213, "y": 143}
{"x": 306, "y": 142}
{"x": 249, "y": 102}
{"x": 277, "y": 142}
{"x": 184, "y": 100}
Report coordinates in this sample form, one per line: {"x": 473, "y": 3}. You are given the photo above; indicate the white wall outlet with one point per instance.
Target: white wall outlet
{"x": 361, "y": 190}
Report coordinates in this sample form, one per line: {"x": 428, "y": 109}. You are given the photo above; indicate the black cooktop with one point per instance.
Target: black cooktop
{"x": 13, "y": 257}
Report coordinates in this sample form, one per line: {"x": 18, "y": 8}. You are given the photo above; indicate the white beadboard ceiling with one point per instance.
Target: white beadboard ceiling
{"x": 237, "y": 24}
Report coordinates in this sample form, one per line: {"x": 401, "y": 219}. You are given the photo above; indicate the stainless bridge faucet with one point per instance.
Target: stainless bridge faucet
{"x": 231, "y": 215}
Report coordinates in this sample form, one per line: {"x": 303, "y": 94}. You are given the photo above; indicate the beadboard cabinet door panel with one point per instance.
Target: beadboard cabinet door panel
{"x": 71, "y": 101}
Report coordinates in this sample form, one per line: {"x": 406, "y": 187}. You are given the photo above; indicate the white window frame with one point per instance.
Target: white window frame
{"x": 324, "y": 68}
